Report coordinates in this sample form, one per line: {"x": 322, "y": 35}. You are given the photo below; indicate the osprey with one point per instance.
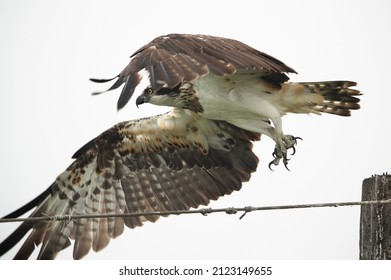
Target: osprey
{"x": 224, "y": 95}
{"x": 224, "y": 79}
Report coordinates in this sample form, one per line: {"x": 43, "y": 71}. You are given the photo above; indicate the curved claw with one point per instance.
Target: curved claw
{"x": 270, "y": 165}
{"x": 295, "y": 143}
{"x": 274, "y": 162}
{"x": 294, "y": 150}
{"x": 281, "y": 152}
{"x": 286, "y": 164}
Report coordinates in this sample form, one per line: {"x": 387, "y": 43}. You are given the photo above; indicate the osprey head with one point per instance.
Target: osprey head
{"x": 164, "y": 96}
{"x": 182, "y": 96}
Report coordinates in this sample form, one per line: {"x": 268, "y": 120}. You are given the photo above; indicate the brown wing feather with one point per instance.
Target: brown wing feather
{"x": 176, "y": 58}
{"x": 137, "y": 166}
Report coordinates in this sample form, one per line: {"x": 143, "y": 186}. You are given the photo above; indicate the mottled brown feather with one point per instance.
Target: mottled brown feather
{"x": 126, "y": 170}
{"x": 181, "y": 58}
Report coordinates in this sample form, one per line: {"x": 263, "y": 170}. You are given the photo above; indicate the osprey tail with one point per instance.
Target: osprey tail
{"x": 332, "y": 97}
{"x": 338, "y": 97}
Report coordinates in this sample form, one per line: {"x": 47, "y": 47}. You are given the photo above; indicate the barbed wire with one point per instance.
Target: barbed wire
{"x": 203, "y": 211}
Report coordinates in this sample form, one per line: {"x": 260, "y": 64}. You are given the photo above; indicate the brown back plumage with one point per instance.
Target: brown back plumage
{"x": 181, "y": 58}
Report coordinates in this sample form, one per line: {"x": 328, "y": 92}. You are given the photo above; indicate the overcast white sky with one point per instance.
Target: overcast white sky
{"x": 49, "y": 49}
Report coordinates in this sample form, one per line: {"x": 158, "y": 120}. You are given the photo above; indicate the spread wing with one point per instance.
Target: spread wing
{"x": 177, "y": 58}
{"x": 173, "y": 161}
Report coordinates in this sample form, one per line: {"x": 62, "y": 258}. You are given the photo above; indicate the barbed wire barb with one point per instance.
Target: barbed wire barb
{"x": 203, "y": 211}
{"x": 247, "y": 209}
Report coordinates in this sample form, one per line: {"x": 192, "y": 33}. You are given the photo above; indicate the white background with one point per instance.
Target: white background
{"x": 49, "y": 49}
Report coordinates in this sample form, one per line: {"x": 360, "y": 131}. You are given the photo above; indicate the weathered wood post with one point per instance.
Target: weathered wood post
{"x": 375, "y": 222}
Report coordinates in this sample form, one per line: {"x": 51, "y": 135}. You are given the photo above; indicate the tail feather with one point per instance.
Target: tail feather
{"x": 338, "y": 97}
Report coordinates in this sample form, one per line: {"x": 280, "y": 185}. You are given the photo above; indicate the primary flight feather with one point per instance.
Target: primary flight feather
{"x": 173, "y": 161}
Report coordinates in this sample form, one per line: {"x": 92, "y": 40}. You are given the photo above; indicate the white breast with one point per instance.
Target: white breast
{"x": 242, "y": 99}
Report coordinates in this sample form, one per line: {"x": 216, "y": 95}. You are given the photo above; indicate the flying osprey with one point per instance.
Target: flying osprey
{"x": 224, "y": 79}
{"x": 224, "y": 95}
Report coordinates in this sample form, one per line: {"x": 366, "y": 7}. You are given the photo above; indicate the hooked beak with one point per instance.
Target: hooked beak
{"x": 142, "y": 99}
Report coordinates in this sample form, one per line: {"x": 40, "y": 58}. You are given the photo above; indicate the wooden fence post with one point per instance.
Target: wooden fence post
{"x": 375, "y": 222}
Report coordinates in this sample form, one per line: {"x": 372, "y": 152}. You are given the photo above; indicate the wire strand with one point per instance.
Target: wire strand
{"x": 203, "y": 211}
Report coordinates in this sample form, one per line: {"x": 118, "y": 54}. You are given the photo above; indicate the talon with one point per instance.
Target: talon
{"x": 286, "y": 164}
{"x": 280, "y": 151}
{"x": 277, "y": 154}
{"x": 270, "y": 165}
{"x": 274, "y": 162}
{"x": 294, "y": 150}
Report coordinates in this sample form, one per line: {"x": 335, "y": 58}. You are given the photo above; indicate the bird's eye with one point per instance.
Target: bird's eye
{"x": 150, "y": 91}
